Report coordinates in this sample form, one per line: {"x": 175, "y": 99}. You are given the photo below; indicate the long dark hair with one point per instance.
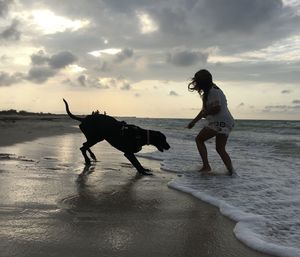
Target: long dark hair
{"x": 202, "y": 83}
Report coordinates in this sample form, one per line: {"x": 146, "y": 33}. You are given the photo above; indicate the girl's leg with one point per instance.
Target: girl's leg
{"x": 221, "y": 140}
{"x": 204, "y": 134}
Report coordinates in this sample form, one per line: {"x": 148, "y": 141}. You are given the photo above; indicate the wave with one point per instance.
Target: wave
{"x": 245, "y": 221}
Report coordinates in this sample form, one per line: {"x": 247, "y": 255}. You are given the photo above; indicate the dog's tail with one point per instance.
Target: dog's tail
{"x": 70, "y": 114}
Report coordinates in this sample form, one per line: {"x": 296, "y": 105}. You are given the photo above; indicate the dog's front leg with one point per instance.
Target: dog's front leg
{"x": 86, "y": 158}
{"x": 86, "y": 147}
{"x": 134, "y": 161}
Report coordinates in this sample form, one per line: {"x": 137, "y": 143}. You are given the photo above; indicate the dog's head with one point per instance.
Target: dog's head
{"x": 159, "y": 140}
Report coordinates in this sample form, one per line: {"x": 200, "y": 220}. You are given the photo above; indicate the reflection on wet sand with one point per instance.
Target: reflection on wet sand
{"x": 47, "y": 209}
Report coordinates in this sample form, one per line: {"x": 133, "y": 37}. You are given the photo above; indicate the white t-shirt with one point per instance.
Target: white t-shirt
{"x": 223, "y": 119}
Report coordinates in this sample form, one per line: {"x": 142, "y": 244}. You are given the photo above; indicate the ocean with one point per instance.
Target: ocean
{"x": 264, "y": 196}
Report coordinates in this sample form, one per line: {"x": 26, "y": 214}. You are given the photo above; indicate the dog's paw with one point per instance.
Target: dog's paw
{"x": 87, "y": 163}
{"x": 146, "y": 172}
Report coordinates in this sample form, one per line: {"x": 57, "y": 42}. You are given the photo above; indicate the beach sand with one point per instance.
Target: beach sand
{"x": 52, "y": 205}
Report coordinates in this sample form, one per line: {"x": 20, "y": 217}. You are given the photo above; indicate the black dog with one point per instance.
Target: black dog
{"x": 127, "y": 138}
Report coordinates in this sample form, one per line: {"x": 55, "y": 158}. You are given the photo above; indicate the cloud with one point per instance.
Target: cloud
{"x": 282, "y": 108}
{"x": 183, "y": 27}
{"x": 89, "y": 82}
{"x": 194, "y": 24}
{"x": 40, "y": 58}
{"x": 124, "y": 54}
{"x": 241, "y": 105}
{"x": 82, "y": 80}
{"x": 45, "y": 67}
{"x": 125, "y": 86}
{"x": 61, "y": 60}
{"x": 239, "y": 15}
{"x": 40, "y": 74}
{"x": 286, "y": 91}
{"x": 186, "y": 57}
{"x": 5, "y": 59}
{"x": 296, "y": 102}
{"x": 11, "y": 32}
{"x": 4, "y": 7}
{"x": 56, "y": 61}
{"x": 7, "y": 79}
{"x": 173, "y": 93}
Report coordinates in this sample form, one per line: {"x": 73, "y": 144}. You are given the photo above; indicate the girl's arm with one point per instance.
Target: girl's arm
{"x": 211, "y": 110}
{"x": 201, "y": 115}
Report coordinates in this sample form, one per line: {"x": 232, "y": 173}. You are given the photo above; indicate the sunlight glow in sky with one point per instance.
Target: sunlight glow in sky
{"x": 147, "y": 24}
{"x": 50, "y": 23}
{"x": 110, "y": 51}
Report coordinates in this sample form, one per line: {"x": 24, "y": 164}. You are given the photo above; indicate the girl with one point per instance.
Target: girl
{"x": 215, "y": 111}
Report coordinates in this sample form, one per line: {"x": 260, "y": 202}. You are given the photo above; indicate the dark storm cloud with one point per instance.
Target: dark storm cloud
{"x": 238, "y": 15}
{"x": 11, "y": 32}
{"x": 124, "y": 54}
{"x": 7, "y": 79}
{"x": 127, "y": 5}
{"x": 61, "y": 60}
{"x": 41, "y": 74}
{"x": 186, "y": 57}
{"x": 172, "y": 20}
{"x": 45, "y": 67}
{"x": 40, "y": 58}
{"x": 201, "y": 23}
{"x": 232, "y": 27}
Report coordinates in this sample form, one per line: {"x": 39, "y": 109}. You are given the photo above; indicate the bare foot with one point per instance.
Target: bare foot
{"x": 205, "y": 169}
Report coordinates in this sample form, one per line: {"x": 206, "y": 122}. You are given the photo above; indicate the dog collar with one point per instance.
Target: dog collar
{"x": 148, "y": 137}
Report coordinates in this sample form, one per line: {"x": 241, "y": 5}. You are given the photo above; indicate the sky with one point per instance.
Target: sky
{"x": 136, "y": 57}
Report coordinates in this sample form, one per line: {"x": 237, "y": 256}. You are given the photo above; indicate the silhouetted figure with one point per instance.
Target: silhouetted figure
{"x": 95, "y": 112}
{"x": 127, "y": 138}
{"x": 215, "y": 111}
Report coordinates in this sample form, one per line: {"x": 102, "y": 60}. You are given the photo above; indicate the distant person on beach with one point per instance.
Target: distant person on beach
{"x": 215, "y": 111}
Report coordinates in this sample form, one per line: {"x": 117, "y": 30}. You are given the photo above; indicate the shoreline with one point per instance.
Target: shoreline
{"x": 207, "y": 231}
{"x": 15, "y": 129}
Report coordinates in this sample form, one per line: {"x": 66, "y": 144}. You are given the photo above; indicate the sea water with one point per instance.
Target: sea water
{"x": 264, "y": 197}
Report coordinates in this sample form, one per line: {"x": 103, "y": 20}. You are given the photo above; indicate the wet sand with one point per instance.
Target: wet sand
{"x": 17, "y": 128}
{"x": 52, "y": 205}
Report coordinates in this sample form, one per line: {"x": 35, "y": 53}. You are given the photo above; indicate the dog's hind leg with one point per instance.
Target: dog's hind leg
{"x": 134, "y": 161}
{"x": 92, "y": 154}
